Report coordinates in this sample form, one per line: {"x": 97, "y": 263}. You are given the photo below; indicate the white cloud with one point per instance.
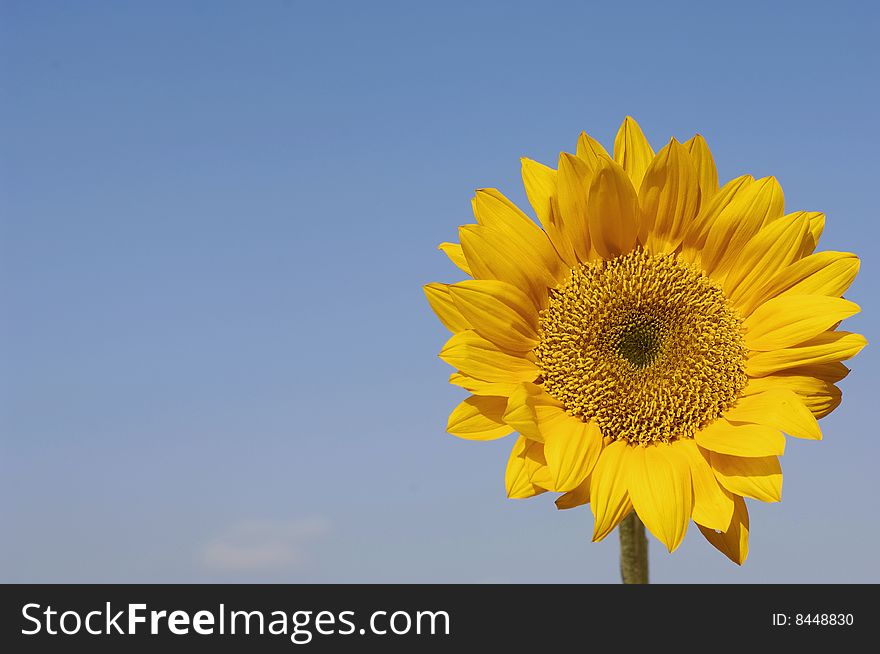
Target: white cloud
{"x": 260, "y": 545}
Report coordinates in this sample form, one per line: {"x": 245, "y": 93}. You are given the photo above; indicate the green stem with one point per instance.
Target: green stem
{"x": 633, "y": 550}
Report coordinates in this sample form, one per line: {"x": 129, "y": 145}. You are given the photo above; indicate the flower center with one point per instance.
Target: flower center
{"x": 640, "y": 340}
{"x": 646, "y": 345}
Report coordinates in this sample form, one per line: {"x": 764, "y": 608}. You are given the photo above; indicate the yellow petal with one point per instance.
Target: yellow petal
{"x": 572, "y": 448}
{"x": 476, "y": 357}
{"x": 498, "y": 312}
{"x": 669, "y": 197}
{"x": 774, "y": 246}
{"x": 825, "y": 348}
{"x": 780, "y": 408}
{"x": 741, "y": 439}
{"x": 757, "y": 477}
{"x": 494, "y": 210}
{"x": 540, "y": 184}
{"x": 613, "y": 210}
{"x": 696, "y": 234}
{"x": 442, "y": 304}
{"x": 609, "y": 496}
{"x": 572, "y": 187}
{"x": 814, "y": 385}
{"x": 523, "y": 467}
{"x": 532, "y": 412}
{"x": 707, "y": 174}
{"x": 632, "y": 150}
{"x": 662, "y": 492}
{"x": 816, "y": 222}
{"x": 713, "y": 506}
{"x": 480, "y": 387}
{"x": 541, "y": 478}
{"x": 733, "y": 541}
{"x": 479, "y": 418}
{"x": 576, "y": 497}
{"x": 491, "y": 255}
{"x": 590, "y": 150}
{"x": 830, "y": 372}
{"x": 791, "y": 319}
{"x": 456, "y": 255}
{"x": 822, "y": 273}
{"x": 520, "y": 413}
{"x": 820, "y": 405}
{"x": 758, "y": 203}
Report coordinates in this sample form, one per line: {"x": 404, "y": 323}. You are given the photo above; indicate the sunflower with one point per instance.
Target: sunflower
{"x": 651, "y": 341}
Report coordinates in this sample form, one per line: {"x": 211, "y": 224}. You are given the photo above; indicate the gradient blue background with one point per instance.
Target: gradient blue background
{"x": 217, "y": 361}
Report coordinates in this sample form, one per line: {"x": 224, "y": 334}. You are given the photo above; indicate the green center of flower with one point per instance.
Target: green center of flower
{"x": 639, "y": 340}
{"x": 645, "y": 345}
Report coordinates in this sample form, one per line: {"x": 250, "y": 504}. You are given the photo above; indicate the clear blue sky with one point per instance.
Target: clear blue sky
{"x": 216, "y": 361}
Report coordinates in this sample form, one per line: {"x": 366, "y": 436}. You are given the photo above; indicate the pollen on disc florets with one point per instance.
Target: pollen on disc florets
{"x": 646, "y": 345}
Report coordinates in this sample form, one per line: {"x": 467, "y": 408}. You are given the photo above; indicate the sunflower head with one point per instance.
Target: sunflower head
{"x": 651, "y": 341}
{"x": 644, "y": 345}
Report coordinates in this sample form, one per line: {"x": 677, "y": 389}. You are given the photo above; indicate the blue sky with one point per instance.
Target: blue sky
{"x": 215, "y": 221}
